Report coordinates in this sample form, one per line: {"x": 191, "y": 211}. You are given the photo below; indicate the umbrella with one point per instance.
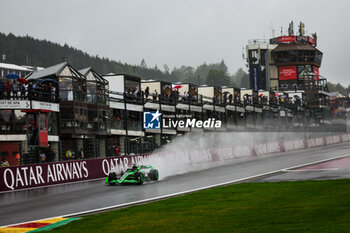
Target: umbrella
{"x": 12, "y": 76}
{"x": 177, "y": 86}
{"x": 22, "y": 80}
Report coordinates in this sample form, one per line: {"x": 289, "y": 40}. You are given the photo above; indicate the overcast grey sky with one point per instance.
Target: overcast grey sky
{"x": 181, "y": 32}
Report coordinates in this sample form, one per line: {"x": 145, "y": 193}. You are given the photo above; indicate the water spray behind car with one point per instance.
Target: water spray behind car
{"x": 194, "y": 152}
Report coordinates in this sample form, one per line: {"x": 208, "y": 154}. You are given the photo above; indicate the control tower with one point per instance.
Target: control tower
{"x": 285, "y": 63}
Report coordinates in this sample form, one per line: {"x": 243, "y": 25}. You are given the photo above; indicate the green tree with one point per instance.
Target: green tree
{"x": 218, "y": 78}
{"x": 240, "y": 78}
{"x": 143, "y": 64}
{"x": 337, "y": 87}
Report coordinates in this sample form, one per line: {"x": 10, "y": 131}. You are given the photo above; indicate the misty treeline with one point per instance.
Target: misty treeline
{"x": 42, "y": 53}
{"x": 338, "y": 87}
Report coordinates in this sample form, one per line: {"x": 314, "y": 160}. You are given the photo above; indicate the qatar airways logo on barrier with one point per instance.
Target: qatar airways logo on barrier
{"x": 153, "y": 120}
{"x": 29, "y": 176}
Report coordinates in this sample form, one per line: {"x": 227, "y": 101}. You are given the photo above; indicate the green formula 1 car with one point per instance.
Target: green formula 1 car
{"x": 134, "y": 175}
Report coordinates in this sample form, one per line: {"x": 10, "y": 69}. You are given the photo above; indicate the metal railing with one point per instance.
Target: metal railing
{"x": 39, "y": 95}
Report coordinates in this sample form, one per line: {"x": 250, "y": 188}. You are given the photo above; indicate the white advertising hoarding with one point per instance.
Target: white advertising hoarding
{"x": 14, "y": 104}
{"x": 45, "y": 106}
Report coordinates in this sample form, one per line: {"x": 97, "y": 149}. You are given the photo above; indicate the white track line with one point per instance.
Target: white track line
{"x": 181, "y": 193}
{"x": 313, "y": 170}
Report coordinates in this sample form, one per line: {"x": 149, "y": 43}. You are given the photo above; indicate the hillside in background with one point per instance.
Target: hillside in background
{"x": 29, "y": 51}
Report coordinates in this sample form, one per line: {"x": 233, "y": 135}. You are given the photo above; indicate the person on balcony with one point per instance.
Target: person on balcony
{"x": 2, "y": 89}
{"x": 42, "y": 157}
{"x": 116, "y": 150}
{"x": 22, "y": 88}
{"x": 225, "y": 98}
{"x": 155, "y": 94}
{"x": 230, "y": 97}
{"x": 30, "y": 90}
{"x": 81, "y": 154}
{"x": 184, "y": 97}
{"x": 134, "y": 94}
{"x": 53, "y": 92}
{"x": 147, "y": 92}
{"x": 34, "y": 89}
{"x": 245, "y": 99}
{"x": 18, "y": 158}
{"x": 8, "y": 89}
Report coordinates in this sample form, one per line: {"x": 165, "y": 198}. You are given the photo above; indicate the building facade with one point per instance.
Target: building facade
{"x": 65, "y": 113}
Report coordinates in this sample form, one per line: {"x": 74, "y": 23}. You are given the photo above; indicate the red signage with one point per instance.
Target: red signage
{"x": 311, "y": 40}
{"x": 287, "y": 72}
{"x": 43, "y": 135}
{"x": 317, "y": 72}
{"x": 288, "y": 39}
{"x": 43, "y": 138}
{"x": 284, "y": 39}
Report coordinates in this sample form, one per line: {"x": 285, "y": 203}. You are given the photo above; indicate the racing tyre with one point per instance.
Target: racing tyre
{"x": 111, "y": 176}
{"x": 153, "y": 175}
{"x": 141, "y": 178}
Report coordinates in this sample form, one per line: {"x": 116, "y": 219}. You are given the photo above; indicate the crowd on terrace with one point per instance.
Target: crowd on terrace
{"x": 21, "y": 90}
{"x": 46, "y": 89}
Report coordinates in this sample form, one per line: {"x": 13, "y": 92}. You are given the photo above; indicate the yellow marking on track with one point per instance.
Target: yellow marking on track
{"x": 51, "y": 220}
{"x": 15, "y": 230}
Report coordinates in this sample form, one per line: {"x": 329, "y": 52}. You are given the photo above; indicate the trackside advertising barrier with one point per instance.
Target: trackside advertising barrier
{"x": 29, "y": 176}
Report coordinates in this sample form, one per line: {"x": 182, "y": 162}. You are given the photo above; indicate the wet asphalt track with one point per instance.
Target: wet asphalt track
{"x": 22, "y": 206}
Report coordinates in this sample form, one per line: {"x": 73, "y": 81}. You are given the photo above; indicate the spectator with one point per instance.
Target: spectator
{"x": 34, "y": 89}
{"x": 22, "y": 88}
{"x": 30, "y": 90}
{"x": 237, "y": 98}
{"x": 2, "y": 89}
{"x": 147, "y": 92}
{"x": 18, "y": 158}
{"x": 53, "y": 92}
{"x": 230, "y": 97}
{"x": 81, "y": 153}
{"x": 116, "y": 150}
{"x": 184, "y": 96}
{"x": 43, "y": 157}
{"x": 4, "y": 162}
{"x": 8, "y": 89}
{"x": 155, "y": 94}
{"x": 68, "y": 154}
{"x": 133, "y": 94}
{"x": 245, "y": 99}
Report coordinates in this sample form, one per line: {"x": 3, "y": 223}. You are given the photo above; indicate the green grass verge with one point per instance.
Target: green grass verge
{"x": 305, "y": 206}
